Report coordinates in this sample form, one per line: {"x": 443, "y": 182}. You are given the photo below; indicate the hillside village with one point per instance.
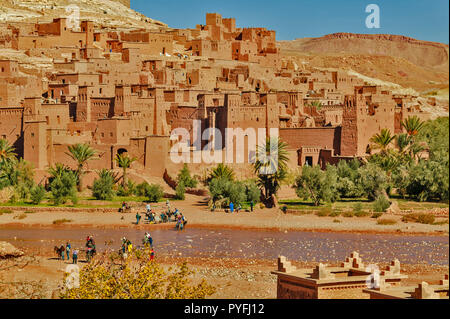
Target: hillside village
{"x": 125, "y": 91}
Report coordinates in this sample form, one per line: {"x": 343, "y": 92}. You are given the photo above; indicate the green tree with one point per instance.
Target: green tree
{"x": 252, "y": 191}
{"x": 413, "y": 125}
{"x": 6, "y": 151}
{"x": 222, "y": 171}
{"x": 270, "y": 165}
{"x": 81, "y": 153}
{"x": 63, "y": 188}
{"x": 37, "y": 194}
{"x": 124, "y": 161}
{"x": 223, "y": 192}
{"x": 382, "y": 140}
{"x": 154, "y": 192}
{"x": 317, "y": 185}
{"x": 348, "y": 179}
{"x": 103, "y": 187}
{"x": 429, "y": 180}
{"x": 373, "y": 181}
{"x": 185, "y": 178}
{"x": 180, "y": 191}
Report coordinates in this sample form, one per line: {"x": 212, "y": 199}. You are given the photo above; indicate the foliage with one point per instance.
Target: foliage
{"x": 102, "y": 189}
{"x": 63, "y": 188}
{"x": 223, "y": 192}
{"x": 185, "y": 178}
{"x": 252, "y": 191}
{"x": 154, "y": 192}
{"x": 180, "y": 191}
{"x": 419, "y": 218}
{"x": 136, "y": 277}
{"x": 81, "y": 153}
{"x": 372, "y": 180}
{"x": 141, "y": 189}
{"x": 126, "y": 190}
{"x": 436, "y": 135}
{"x": 222, "y": 171}
{"x": 19, "y": 174}
{"x": 270, "y": 165}
{"x": 317, "y": 185}
{"x": 6, "y": 151}
{"x": 124, "y": 161}
{"x": 386, "y": 221}
{"x": 348, "y": 179}
{"x": 382, "y": 140}
{"x": 381, "y": 204}
{"x": 37, "y": 194}
{"x": 429, "y": 180}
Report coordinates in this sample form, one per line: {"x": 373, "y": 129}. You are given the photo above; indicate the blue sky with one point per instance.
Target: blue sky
{"x": 420, "y": 19}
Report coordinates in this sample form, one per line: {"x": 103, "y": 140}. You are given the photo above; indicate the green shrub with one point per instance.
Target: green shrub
{"x": 381, "y": 204}
{"x": 419, "y": 218}
{"x": 348, "y": 214}
{"x": 335, "y": 213}
{"x": 63, "y": 188}
{"x": 127, "y": 190}
{"x": 180, "y": 191}
{"x": 21, "y": 216}
{"x": 337, "y": 221}
{"x": 61, "y": 221}
{"x": 357, "y": 207}
{"x": 185, "y": 177}
{"x": 141, "y": 189}
{"x": 102, "y": 189}
{"x": 154, "y": 193}
{"x": 252, "y": 191}
{"x": 37, "y": 194}
{"x": 377, "y": 215}
{"x": 361, "y": 214}
{"x": 5, "y": 211}
{"x": 386, "y": 221}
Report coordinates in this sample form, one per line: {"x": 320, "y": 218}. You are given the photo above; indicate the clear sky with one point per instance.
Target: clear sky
{"x": 420, "y": 19}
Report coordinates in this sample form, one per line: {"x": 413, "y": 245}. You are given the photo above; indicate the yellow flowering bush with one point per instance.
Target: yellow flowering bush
{"x": 135, "y": 277}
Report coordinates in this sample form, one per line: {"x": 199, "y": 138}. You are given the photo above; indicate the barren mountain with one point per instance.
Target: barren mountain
{"x": 105, "y": 13}
{"x": 421, "y": 65}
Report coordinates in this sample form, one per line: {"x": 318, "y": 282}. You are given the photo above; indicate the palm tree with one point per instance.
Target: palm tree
{"x": 403, "y": 142}
{"x": 124, "y": 161}
{"x": 413, "y": 125}
{"x": 222, "y": 171}
{"x": 315, "y": 105}
{"x": 271, "y": 166}
{"x": 6, "y": 151}
{"x": 81, "y": 153}
{"x": 382, "y": 140}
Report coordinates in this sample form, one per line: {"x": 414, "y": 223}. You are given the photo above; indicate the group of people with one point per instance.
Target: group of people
{"x": 239, "y": 207}
{"x": 64, "y": 253}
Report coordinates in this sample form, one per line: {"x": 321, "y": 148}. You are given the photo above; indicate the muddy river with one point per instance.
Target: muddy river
{"x": 302, "y": 246}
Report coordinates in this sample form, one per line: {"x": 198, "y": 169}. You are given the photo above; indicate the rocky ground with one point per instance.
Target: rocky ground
{"x": 40, "y": 275}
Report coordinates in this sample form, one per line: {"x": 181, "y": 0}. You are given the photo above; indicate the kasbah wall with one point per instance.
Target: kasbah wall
{"x": 125, "y": 91}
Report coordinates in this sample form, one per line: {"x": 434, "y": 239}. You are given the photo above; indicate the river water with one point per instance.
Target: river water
{"x": 251, "y": 244}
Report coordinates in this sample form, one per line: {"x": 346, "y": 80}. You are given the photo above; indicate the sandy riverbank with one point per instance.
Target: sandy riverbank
{"x": 233, "y": 278}
{"x": 200, "y": 217}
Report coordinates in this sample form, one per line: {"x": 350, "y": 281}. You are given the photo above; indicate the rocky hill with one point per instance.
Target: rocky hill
{"x": 422, "y": 65}
{"x": 105, "y": 13}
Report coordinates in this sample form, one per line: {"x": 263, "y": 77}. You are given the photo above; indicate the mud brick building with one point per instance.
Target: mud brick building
{"x": 127, "y": 90}
{"x": 348, "y": 281}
